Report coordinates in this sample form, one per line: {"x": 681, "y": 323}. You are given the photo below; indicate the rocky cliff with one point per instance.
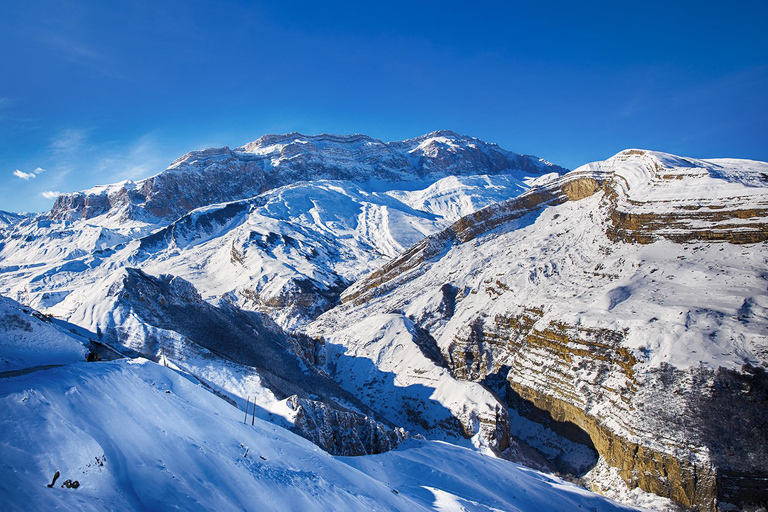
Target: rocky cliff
{"x": 342, "y": 432}
{"x": 627, "y": 299}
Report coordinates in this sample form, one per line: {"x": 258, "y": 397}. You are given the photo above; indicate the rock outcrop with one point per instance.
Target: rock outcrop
{"x": 342, "y": 432}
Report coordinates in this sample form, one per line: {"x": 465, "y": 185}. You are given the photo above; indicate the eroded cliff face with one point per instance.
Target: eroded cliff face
{"x": 684, "y": 206}
{"x": 627, "y": 298}
{"x": 695, "y": 436}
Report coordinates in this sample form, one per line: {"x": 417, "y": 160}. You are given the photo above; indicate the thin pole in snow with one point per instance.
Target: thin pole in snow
{"x": 247, "y": 401}
{"x": 253, "y": 414}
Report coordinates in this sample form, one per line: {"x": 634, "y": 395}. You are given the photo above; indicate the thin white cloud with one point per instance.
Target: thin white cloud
{"x": 24, "y": 175}
{"x": 28, "y": 175}
{"x": 50, "y": 194}
{"x": 143, "y": 158}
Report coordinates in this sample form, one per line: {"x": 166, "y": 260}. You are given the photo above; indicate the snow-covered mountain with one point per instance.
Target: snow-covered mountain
{"x": 200, "y": 178}
{"x": 287, "y": 250}
{"x": 8, "y": 220}
{"x": 626, "y": 300}
{"x": 134, "y": 435}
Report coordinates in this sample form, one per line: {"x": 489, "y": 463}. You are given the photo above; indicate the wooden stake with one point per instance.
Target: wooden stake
{"x": 253, "y": 414}
{"x": 247, "y": 401}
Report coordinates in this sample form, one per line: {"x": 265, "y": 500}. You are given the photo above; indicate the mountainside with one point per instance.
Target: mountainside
{"x": 131, "y": 434}
{"x": 216, "y": 175}
{"x": 29, "y": 339}
{"x": 8, "y": 219}
{"x": 627, "y": 298}
{"x": 239, "y": 354}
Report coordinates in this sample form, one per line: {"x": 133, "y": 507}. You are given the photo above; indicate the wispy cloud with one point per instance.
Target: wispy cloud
{"x": 23, "y": 175}
{"x": 141, "y": 159}
{"x": 80, "y": 160}
{"x": 78, "y": 51}
{"x": 50, "y": 194}
{"x": 28, "y": 175}
{"x": 69, "y": 141}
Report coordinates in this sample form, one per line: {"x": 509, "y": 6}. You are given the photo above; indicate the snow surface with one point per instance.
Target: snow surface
{"x": 378, "y": 362}
{"x": 28, "y": 341}
{"x": 136, "y": 435}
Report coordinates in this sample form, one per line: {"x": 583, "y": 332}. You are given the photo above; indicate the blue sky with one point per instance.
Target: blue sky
{"x": 97, "y": 92}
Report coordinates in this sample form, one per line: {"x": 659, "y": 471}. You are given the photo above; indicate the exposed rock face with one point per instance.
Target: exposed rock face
{"x": 735, "y": 214}
{"x": 601, "y": 299}
{"x": 343, "y": 432}
{"x": 216, "y": 175}
{"x": 707, "y": 424}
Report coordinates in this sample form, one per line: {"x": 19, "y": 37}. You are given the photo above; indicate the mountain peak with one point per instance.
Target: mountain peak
{"x": 270, "y": 141}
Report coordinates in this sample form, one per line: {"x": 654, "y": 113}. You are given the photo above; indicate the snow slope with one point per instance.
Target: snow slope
{"x": 153, "y": 439}
{"x": 378, "y": 362}
{"x": 28, "y": 339}
{"x": 8, "y": 219}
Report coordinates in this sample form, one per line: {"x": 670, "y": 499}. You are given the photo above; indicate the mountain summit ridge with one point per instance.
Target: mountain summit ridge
{"x": 214, "y": 175}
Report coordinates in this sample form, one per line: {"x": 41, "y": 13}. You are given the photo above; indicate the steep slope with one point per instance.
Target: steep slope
{"x": 9, "y": 219}
{"x": 239, "y": 353}
{"x": 627, "y": 299}
{"x": 154, "y": 439}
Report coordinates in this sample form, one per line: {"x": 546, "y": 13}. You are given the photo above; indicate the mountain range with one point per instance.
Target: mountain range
{"x": 607, "y": 324}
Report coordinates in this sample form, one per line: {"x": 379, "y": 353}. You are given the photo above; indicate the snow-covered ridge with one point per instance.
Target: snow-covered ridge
{"x": 8, "y": 219}
{"x": 288, "y": 252}
{"x": 222, "y": 174}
